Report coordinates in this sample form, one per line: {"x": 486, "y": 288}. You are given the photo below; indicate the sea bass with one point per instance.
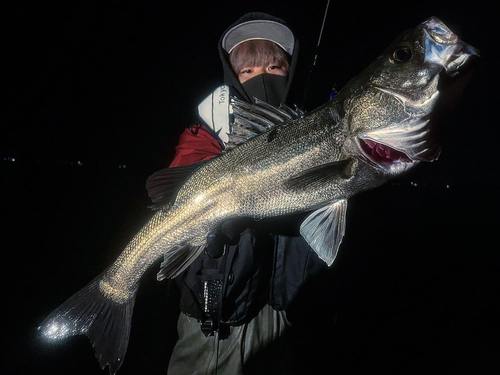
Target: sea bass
{"x": 377, "y": 127}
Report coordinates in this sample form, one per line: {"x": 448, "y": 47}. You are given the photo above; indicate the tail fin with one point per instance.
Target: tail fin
{"x": 105, "y": 322}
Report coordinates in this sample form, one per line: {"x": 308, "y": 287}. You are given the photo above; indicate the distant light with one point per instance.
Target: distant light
{"x": 8, "y": 158}
{"x": 122, "y": 166}
{"x": 447, "y": 186}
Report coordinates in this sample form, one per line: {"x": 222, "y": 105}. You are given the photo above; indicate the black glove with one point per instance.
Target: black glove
{"x": 228, "y": 233}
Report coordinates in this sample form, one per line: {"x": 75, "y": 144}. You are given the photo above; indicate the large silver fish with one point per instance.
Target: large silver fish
{"x": 378, "y": 126}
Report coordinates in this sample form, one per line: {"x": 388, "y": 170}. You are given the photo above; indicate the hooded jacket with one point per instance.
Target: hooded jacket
{"x": 214, "y": 110}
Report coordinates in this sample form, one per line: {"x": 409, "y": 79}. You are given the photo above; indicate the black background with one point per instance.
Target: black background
{"x": 95, "y": 96}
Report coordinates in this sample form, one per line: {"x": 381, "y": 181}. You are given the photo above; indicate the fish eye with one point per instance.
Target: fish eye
{"x": 401, "y": 55}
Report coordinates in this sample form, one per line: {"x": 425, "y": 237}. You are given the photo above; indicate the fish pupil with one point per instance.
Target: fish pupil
{"x": 402, "y": 55}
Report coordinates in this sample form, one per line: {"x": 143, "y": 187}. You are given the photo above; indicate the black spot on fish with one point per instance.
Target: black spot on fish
{"x": 272, "y": 134}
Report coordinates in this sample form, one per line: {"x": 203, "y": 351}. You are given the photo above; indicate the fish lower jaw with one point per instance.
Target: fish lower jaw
{"x": 391, "y": 161}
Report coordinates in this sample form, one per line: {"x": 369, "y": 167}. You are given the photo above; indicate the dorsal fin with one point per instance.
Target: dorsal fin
{"x": 164, "y": 184}
{"x": 251, "y": 120}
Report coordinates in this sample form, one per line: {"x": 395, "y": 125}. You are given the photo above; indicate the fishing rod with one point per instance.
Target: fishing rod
{"x": 313, "y": 65}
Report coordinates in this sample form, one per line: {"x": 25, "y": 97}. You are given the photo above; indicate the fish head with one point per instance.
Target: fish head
{"x": 391, "y": 105}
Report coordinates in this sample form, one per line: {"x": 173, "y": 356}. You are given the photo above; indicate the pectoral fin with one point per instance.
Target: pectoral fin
{"x": 322, "y": 174}
{"x": 324, "y": 229}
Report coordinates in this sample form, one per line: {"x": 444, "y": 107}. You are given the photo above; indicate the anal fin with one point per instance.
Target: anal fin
{"x": 177, "y": 259}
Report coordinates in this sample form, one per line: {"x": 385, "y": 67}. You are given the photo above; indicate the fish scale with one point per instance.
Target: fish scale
{"x": 280, "y": 159}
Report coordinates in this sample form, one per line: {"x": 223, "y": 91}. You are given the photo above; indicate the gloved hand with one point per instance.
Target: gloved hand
{"x": 228, "y": 233}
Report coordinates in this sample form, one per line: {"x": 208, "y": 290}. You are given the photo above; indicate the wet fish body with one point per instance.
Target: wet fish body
{"x": 378, "y": 126}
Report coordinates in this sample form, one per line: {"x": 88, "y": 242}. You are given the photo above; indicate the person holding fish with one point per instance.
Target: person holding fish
{"x": 234, "y": 295}
{"x": 214, "y": 227}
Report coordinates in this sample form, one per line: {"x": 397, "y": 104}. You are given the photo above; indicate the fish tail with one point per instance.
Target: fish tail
{"x": 105, "y": 322}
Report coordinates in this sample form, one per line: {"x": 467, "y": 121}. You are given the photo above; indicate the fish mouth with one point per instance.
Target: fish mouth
{"x": 445, "y": 48}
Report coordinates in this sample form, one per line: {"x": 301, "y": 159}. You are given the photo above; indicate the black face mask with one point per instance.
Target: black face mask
{"x": 268, "y": 87}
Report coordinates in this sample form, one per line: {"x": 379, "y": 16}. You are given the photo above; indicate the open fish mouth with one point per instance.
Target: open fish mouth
{"x": 444, "y": 47}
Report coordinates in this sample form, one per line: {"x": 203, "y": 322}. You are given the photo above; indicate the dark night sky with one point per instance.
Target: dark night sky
{"x": 111, "y": 83}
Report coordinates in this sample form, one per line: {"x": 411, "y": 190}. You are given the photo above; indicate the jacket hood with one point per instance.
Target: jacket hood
{"x": 256, "y": 25}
